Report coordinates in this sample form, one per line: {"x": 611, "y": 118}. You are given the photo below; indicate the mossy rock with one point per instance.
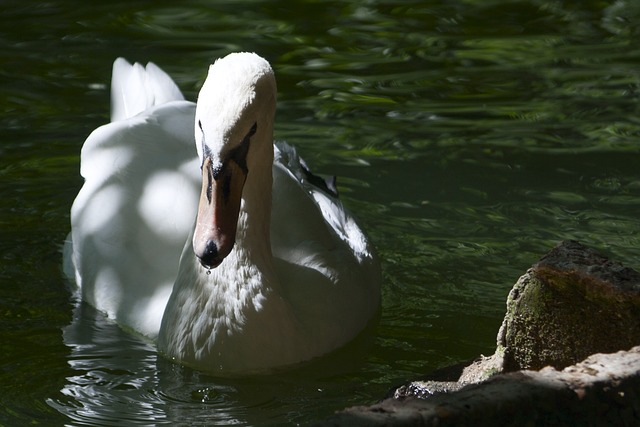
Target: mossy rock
{"x": 572, "y": 303}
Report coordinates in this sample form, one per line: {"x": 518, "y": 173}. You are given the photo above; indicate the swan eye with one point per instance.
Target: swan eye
{"x": 239, "y": 154}
{"x": 216, "y": 172}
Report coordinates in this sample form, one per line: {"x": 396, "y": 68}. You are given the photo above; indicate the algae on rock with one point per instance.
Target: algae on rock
{"x": 572, "y": 303}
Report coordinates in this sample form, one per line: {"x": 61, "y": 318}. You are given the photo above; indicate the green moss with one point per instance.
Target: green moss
{"x": 559, "y": 319}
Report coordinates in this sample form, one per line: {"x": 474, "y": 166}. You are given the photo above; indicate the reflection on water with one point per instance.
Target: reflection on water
{"x": 114, "y": 374}
{"x": 468, "y": 136}
{"x": 116, "y": 377}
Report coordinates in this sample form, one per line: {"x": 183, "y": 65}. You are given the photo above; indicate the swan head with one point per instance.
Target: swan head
{"x": 234, "y": 137}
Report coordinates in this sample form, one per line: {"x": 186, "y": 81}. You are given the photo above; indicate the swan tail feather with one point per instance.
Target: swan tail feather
{"x": 136, "y": 88}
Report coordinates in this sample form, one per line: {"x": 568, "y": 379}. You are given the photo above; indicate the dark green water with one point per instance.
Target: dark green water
{"x": 469, "y": 138}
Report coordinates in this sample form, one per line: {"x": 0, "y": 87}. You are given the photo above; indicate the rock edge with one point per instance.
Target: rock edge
{"x": 601, "y": 390}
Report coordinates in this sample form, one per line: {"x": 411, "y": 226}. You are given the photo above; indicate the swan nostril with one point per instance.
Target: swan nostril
{"x": 210, "y": 256}
{"x": 211, "y": 248}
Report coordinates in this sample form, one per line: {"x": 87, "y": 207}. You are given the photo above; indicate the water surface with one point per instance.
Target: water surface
{"x": 469, "y": 137}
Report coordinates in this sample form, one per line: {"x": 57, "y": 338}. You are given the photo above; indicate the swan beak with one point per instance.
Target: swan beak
{"x": 217, "y": 219}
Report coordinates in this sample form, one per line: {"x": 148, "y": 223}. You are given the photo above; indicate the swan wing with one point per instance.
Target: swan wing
{"x": 134, "y": 213}
{"x": 325, "y": 262}
{"x": 136, "y": 208}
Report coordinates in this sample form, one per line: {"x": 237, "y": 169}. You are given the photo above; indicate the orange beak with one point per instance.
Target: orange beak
{"x": 218, "y": 210}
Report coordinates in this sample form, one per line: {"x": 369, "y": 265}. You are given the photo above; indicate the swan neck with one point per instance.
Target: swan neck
{"x": 253, "y": 238}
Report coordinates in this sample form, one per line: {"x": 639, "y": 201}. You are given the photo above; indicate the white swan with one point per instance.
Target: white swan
{"x": 272, "y": 272}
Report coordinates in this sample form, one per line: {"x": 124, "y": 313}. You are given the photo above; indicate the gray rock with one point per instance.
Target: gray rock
{"x": 603, "y": 390}
{"x": 572, "y": 303}
{"x": 424, "y": 389}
